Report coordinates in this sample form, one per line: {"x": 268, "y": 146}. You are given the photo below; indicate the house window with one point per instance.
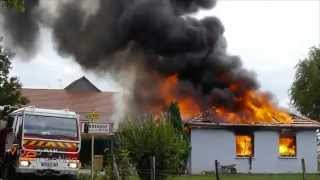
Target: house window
{"x": 244, "y": 145}
{"x": 287, "y": 145}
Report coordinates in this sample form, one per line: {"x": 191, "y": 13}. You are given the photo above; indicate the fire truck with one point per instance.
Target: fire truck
{"x": 40, "y": 142}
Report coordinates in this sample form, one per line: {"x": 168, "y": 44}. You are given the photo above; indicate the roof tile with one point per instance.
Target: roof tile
{"x": 207, "y": 120}
{"x": 78, "y": 101}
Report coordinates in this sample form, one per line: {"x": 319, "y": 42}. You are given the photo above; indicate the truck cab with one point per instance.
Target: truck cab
{"x": 42, "y": 142}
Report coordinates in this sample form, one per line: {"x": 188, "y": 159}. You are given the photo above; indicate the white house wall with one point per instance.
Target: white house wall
{"x": 209, "y": 145}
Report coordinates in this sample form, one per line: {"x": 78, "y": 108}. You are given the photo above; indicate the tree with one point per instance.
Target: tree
{"x": 175, "y": 119}
{"x": 10, "y": 87}
{"x": 146, "y": 137}
{"x": 305, "y": 90}
{"x": 16, "y": 4}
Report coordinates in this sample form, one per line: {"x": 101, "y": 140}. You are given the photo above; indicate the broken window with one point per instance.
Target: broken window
{"x": 287, "y": 145}
{"x": 244, "y": 145}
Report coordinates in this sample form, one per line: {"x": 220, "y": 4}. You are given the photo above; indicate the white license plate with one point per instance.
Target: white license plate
{"x": 49, "y": 164}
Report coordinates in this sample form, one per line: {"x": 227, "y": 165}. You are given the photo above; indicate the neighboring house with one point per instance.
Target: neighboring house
{"x": 80, "y": 96}
{"x": 256, "y": 148}
{"x": 85, "y": 99}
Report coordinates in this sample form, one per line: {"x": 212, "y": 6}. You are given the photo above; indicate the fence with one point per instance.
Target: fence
{"x": 118, "y": 173}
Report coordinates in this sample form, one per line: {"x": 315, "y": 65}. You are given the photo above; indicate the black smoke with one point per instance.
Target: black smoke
{"x": 23, "y": 27}
{"x": 173, "y": 43}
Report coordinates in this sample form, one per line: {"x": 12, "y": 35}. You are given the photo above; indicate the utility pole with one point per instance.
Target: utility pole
{"x": 216, "y": 163}
{"x": 92, "y": 116}
{"x": 303, "y": 166}
{"x": 92, "y": 157}
{"x": 153, "y": 168}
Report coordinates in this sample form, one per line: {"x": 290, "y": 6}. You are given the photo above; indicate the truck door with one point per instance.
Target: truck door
{"x": 14, "y": 133}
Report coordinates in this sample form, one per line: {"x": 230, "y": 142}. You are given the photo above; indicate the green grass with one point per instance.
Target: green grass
{"x": 246, "y": 177}
{"x": 232, "y": 177}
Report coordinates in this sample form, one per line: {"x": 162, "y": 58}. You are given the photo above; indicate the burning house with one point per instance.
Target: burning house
{"x": 257, "y": 147}
{"x": 160, "y": 52}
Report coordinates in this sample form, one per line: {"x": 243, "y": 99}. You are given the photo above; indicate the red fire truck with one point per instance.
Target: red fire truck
{"x": 41, "y": 142}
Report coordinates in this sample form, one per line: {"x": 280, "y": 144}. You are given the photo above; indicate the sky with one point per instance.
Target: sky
{"x": 269, "y": 36}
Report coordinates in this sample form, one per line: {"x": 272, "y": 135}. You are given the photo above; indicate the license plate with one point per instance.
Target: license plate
{"x": 49, "y": 164}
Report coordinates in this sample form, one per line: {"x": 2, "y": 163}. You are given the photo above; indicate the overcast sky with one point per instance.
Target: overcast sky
{"x": 269, "y": 36}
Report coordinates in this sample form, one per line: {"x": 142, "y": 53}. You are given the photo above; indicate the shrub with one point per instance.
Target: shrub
{"x": 148, "y": 136}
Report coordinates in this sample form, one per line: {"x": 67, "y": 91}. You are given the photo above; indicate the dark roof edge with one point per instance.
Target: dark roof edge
{"x": 259, "y": 126}
{"x": 54, "y": 89}
{"x": 63, "y": 90}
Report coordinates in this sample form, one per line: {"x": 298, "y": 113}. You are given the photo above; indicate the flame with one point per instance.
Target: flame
{"x": 253, "y": 106}
{"x": 188, "y": 107}
{"x": 287, "y": 146}
{"x": 244, "y": 145}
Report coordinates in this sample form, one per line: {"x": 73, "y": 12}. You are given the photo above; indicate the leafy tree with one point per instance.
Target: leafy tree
{"x": 16, "y": 4}
{"x": 146, "y": 137}
{"x": 181, "y": 131}
{"x": 10, "y": 87}
{"x": 175, "y": 117}
{"x": 305, "y": 90}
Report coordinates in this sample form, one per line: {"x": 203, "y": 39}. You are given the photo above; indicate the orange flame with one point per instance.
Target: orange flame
{"x": 188, "y": 107}
{"x": 287, "y": 146}
{"x": 244, "y": 145}
{"x": 254, "y": 106}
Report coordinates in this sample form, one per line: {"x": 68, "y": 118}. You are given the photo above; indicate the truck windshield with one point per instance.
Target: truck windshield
{"x": 50, "y": 126}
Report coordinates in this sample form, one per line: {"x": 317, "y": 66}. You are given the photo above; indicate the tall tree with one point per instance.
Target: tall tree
{"x": 175, "y": 117}
{"x": 182, "y": 131}
{"x": 10, "y": 87}
{"x": 305, "y": 90}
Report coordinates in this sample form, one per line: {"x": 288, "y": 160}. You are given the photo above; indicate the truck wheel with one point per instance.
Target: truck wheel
{"x": 2, "y": 171}
{"x": 70, "y": 177}
{"x": 9, "y": 173}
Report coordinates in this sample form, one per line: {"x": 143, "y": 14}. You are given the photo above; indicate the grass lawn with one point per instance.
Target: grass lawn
{"x": 246, "y": 177}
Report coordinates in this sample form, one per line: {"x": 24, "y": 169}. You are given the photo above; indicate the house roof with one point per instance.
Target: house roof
{"x": 82, "y": 84}
{"x": 80, "y": 101}
{"x": 205, "y": 120}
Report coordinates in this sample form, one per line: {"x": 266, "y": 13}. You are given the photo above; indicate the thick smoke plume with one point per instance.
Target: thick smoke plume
{"x": 168, "y": 42}
{"x": 23, "y": 28}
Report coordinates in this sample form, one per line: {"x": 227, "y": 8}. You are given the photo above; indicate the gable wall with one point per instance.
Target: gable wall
{"x": 209, "y": 145}
{"x": 82, "y": 84}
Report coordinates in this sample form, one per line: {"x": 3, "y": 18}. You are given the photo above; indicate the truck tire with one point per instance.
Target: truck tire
{"x": 70, "y": 177}
{"x": 1, "y": 170}
{"x": 9, "y": 173}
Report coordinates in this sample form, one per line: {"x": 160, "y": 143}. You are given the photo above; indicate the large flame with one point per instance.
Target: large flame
{"x": 252, "y": 107}
{"x": 188, "y": 106}
{"x": 244, "y": 145}
{"x": 287, "y": 146}
{"x": 255, "y": 107}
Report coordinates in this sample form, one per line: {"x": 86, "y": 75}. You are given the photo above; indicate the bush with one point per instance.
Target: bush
{"x": 146, "y": 137}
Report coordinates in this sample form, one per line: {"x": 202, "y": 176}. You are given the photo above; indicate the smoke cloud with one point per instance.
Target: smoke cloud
{"x": 161, "y": 33}
{"x": 23, "y": 28}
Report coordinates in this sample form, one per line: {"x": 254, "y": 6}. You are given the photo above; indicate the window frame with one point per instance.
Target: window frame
{"x": 14, "y": 124}
{"x": 251, "y": 135}
{"x": 75, "y": 119}
{"x": 18, "y": 125}
{"x": 288, "y": 134}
